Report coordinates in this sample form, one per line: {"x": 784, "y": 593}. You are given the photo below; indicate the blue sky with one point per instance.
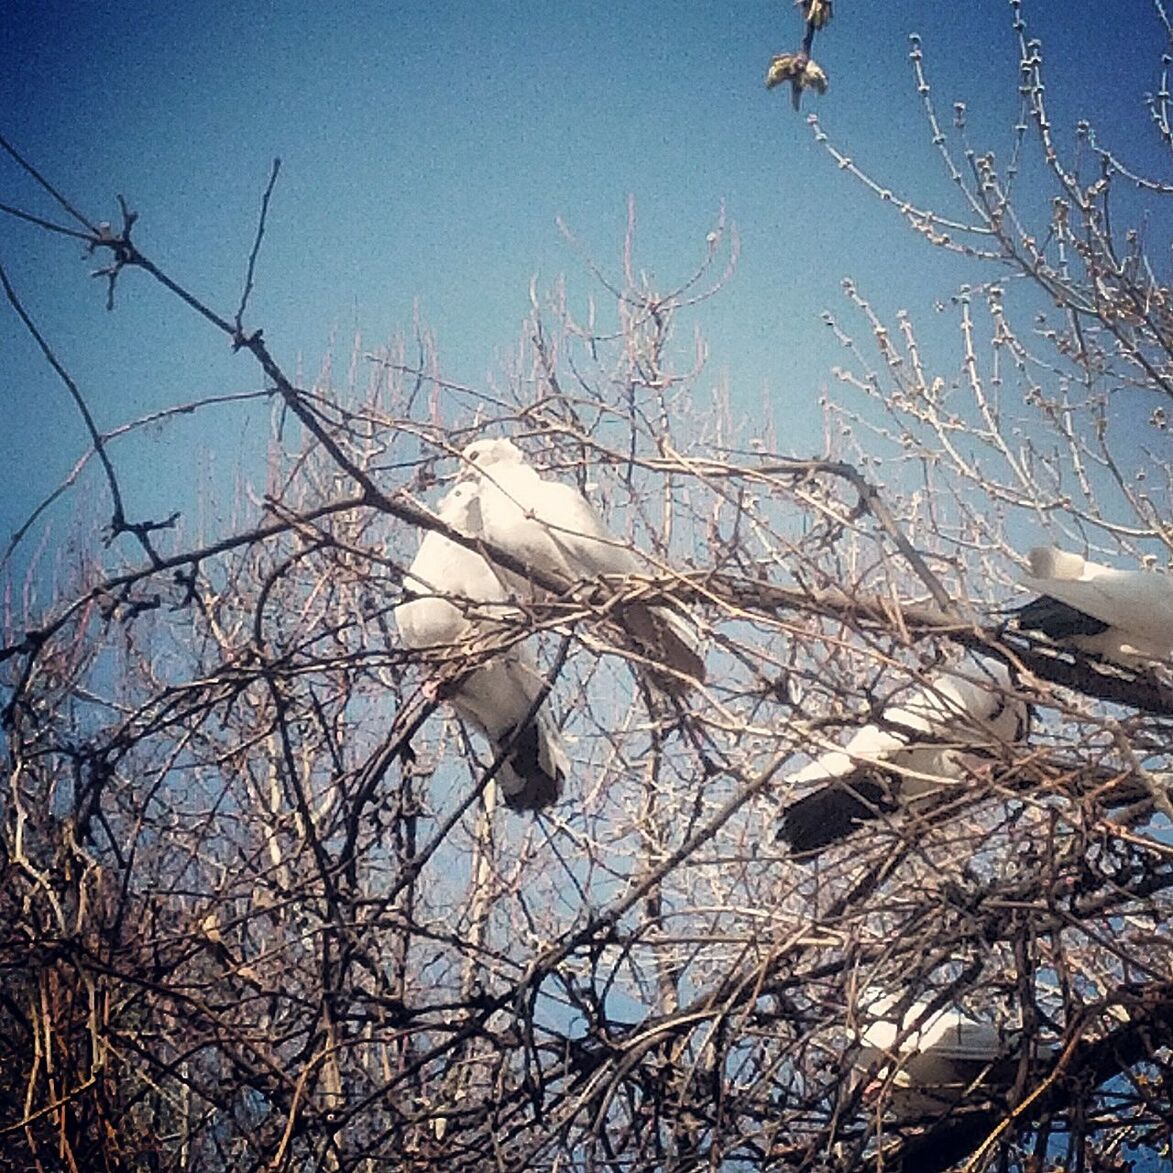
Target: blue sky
{"x": 427, "y": 151}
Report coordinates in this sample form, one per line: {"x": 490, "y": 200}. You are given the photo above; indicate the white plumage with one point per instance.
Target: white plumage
{"x": 1121, "y": 615}
{"x": 916, "y": 745}
{"x": 552, "y": 528}
{"x": 942, "y": 1055}
{"x": 458, "y": 601}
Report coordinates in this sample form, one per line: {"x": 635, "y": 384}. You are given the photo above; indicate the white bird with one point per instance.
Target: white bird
{"x": 933, "y": 1059}
{"x": 551, "y": 527}
{"x": 458, "y": 600}
{"x": 913, "y": 748}
{"x": 1125, "y": 616}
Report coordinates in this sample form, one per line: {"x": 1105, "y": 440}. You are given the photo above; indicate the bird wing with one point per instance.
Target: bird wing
{"x": 952, "y": 1052}
{"x": 858, "y": 786}
{"x": 447, "y": 581}
{"x": 1136, "y": 602}
{"x": 927, "y": 711}
{"x": 579, "y": 531}
{"x": 921, "y": 741}
{"x": 665, "y": 634}
{"x": 949, "y": 1035}
{"x": 817, "y": 820}
{"x": 550, "y": 525}
{"x": 511, "y": 513}
{"x": 869, "y": 745}
{"x": 935, "y": 1061}
{"x": 955, "y": 1036}
{"x": 1056, "y": 620}
{"x": 497, "y": 699}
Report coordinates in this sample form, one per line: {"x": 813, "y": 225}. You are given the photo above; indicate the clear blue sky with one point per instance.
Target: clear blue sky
{"x": 428, "y": 149}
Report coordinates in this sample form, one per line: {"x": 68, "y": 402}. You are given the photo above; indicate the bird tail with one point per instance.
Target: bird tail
{"x": 497, "y": 699}
{"x": 535, "y": 765}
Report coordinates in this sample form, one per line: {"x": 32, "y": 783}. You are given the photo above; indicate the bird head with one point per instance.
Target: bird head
{"x": 1051, "y": 562}
{"x": 483, "y": 454}
{"x": 460, "y": 507}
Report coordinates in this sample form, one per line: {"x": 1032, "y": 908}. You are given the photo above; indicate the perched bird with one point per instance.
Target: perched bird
{"x": 551, "y": 527}
{"x": 457, "y": 598}
{"x": 914, "y": 747}
{"x": 1125, "y": 616}
{"x": 933, "y": 1059}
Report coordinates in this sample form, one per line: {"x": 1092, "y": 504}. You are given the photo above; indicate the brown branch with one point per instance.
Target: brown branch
{"x": 256, "y": 249}
{"x": 1084, "y": 1064}
{"x": 30, "y": 170}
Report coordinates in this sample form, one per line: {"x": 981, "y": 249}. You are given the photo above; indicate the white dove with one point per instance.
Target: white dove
{"x": 551, "y": 527}
{"x": 1125, "y": 616}
{"x": 940, "y": 1057}
{"x": 457, "y": 600}
{"x": 914, "y": 747}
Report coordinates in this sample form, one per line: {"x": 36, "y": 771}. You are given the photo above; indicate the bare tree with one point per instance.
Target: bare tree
{"x": 262, "y": 908}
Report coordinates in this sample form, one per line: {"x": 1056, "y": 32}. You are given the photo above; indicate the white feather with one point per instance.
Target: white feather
{"x": 940, "y": 1056}
{"x": 547, "y": 524}
{"x": 930, "y": 738}
{"x": 1137, "y": 605}
{"x": 554, "y": 529}
{"x": 957, "y": 712}
{"x": 461, "y": 601}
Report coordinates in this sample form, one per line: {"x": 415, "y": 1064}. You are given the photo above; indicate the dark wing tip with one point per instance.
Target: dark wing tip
{"x": 542, "y": 788}
{"x": 654, "y": 631}
{"x": 688, "y": 672}
{"x": 686, "y": 661}
{"x": 820, "y": 819}
{"x": 1057, "y": 620}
